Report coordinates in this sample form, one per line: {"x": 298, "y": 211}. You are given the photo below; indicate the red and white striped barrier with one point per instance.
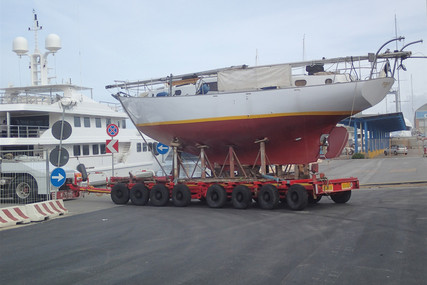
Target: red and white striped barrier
{"x": 35, "y": 212}
{"x": 13, "y": 215}
{"x": 45, "y": 210}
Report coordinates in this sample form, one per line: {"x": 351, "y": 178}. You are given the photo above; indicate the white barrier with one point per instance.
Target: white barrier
{"x": 35, "y": 212}
{"x": 45, "y": 210}
{"x": 13, "y": 215}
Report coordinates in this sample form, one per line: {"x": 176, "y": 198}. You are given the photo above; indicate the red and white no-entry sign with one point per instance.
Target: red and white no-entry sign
{"x": 112, "y": 146}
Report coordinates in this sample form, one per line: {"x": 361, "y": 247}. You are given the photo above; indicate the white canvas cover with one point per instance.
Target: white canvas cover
{"x": 254, "y": 78}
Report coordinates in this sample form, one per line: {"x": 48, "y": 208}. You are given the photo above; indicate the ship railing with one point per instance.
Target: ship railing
{"x": 22, "y": 131}
{"x": 22, "y": 155}
{"x": 117, "y": 107}
{"x": 375, "y": 64}
{"x": 39, "y": 99}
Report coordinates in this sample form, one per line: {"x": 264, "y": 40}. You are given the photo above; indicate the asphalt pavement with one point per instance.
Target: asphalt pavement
{"x": 378, "y": 237}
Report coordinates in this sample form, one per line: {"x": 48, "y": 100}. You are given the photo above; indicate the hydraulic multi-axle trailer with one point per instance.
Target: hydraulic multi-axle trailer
{"x": 237, "y": 186}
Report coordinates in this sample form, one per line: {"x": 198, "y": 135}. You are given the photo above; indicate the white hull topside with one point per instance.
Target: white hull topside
{"x": 336, "y": 99}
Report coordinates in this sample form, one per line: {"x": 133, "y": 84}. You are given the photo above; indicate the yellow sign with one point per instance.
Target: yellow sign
{"x": 346, "y": 186}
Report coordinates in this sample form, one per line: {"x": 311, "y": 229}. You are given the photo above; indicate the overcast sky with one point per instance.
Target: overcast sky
{"x": 104, "y": 40}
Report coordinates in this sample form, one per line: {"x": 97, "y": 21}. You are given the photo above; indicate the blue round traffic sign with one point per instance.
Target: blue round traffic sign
{"x": 57, "y": 177}
{"x": 112, "y": 130}
{"x": 162, "y": 148}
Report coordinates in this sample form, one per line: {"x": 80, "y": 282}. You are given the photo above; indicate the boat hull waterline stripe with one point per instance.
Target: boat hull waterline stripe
{"x": 245, "y": 117}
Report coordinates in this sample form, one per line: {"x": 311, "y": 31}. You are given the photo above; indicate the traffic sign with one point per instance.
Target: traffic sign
{"x": 112, "y": 146}
{"x": 112, "y": 130}
{"x": 162, "y": 148}
{"x": 63, "y": 126}
{"x": 60, "y": 153}
{"x": 57, "y": 177}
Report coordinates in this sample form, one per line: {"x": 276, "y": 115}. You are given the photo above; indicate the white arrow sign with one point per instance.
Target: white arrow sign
{"x": 112, "y": 146}
{"x": 162, "y": 148}
{"x": 59, "y": 177}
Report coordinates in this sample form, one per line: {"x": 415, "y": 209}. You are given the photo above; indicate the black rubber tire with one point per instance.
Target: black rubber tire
{"x": 241, "y": 197}
{"x": 120, "y": 194}
{"x": 216, "y": 197}
{"x": 297, "y": 197}
{"x": 181, "y": 195}
{"x": 139, "y": 194}
{"x": 395, "y": 152}
{"x": 25, "y": 189}
{"x": 341, "y": 197}
{"x": 159, "y": 195}
{"x": 268, "y": 197}
{"x": 311, "y": 200}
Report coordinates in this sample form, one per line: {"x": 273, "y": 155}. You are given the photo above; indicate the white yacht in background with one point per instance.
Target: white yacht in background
{"x": 28, "y": 113}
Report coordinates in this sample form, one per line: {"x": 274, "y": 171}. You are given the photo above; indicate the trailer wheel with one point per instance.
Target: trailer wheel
{"x": 216, "y": 196}
{"x": 341, "y": 197}
{"x": 311, "y": 199}
{"x": 159, "y": 195}
{"x": 120, "y": 194}
{"x": 139, "y": 194}
{"x": 25, "y": 189}
{"x": 241, "y": 197}
{"x": 181, "y": 195}
{"x": 297, "y": 197}
{"x": 268, "y": 197}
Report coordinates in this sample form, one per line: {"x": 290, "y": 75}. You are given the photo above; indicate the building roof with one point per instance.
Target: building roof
{"x": 385, "y": 122}
{"x": 422, "y": 108}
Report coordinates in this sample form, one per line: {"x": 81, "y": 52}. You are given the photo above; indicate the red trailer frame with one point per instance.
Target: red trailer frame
{"x": 267, "y": 191}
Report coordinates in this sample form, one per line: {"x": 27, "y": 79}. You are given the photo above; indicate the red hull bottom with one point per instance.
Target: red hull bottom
{"x": 291, "y": 139}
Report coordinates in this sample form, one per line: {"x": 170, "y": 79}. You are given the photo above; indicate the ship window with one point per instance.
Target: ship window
{"x": 95, "y": 149}
{"x": 328, "y": 81}
{"x": 213, "y": 86}
{"x": 98, "y": 122}
{"x": 108, "y": 121}
{"x": 155, "y": 148}
{"x": 77, "y": 122}
{"x": 85, "y": 149}
{"x": 124, "y": 124}
{"x": 144, "y": 147}
{"x": 152, "y": 147}
{"x": 301, "y": 82}
{"x": 102, "y": 146}
{"x": 76, "y": 150}
{"x": 138, "y": 147}
{"x": 118, "y": 123}
{"x": 87, "y": 122}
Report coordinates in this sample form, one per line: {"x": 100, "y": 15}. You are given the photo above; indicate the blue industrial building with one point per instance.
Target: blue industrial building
{"x": 372, "y": 132}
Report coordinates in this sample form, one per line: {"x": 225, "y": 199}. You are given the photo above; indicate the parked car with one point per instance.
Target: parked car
{"x": 396, "y": 149}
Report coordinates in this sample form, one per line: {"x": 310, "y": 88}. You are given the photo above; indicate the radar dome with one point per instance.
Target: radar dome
{"x": 20, "y": 45}
{"x": 53, "y": 42}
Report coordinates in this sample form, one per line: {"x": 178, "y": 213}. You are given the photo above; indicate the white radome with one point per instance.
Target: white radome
{"x": 20, "y": 45}
{"x": 53, "y": 42}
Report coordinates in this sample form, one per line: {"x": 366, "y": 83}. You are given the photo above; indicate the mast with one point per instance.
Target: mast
{"x": 38, "y": 60}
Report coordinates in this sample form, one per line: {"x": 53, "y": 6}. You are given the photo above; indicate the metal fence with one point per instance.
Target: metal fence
{"x": 24, "y": 178}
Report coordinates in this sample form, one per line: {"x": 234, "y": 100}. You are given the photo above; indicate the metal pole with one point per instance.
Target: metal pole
{"x": 203, "y": 161}
{"x": 60, "y": 137}
{"x": 175, "y": 163}
{"x": 48, "y": 185}
{"x": 112, "y": 164}
{"x": 231, "y": 160}
{"x": 263, "y": 164}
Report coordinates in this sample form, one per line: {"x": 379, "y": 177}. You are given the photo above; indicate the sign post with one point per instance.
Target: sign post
{"x": 61, "y": 130}
{"x": 112, "y": 146}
